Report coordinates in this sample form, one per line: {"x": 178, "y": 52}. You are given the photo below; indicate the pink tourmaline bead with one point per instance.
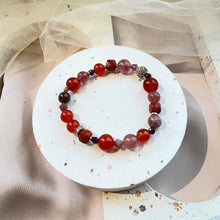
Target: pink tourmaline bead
{"x": 134, "y": 67}
{"x": 130, "y": 142}
{"x": 154, "y": 97}
{"x": 83, "y": 77}
{"x": 154, "y": 121}
{"x": 63, "y": 106}
{"x": 124, "y": 66}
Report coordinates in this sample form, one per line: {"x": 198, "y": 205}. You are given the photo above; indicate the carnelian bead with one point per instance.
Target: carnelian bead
{"x": 66, "y": 115}
{"x": 150, "y": 84}
{"x": 111, "y": 65}
{"x": 99, "y": 69}
{"x": 143, "y": 135}
{"x": 73, "y": 84}
{"x": 106, "y": 142}
{"x": 72, "y": 125}
{"x": 85, "y": 135}
{"x": 155, "y": 107}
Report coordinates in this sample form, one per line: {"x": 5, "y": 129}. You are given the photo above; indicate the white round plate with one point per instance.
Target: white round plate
{"x": 115, "y": 104}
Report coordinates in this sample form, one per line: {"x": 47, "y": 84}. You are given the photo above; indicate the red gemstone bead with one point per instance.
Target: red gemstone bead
{"x": 111, "y": 65}
{"x": 66, "y": 115}
{"x": 85, "y": 135}
{"x": 143, "y": 135}
{"x": 150, "y": 84}
{"x": 155, "y": 107}
{"x": 72, "y": 125}
{"x": 73, "y": 84}
{"x": 99, "y": 69}
{"x": 106, "y": 142}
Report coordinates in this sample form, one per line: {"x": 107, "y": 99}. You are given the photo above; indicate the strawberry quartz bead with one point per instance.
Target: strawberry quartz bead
{"x": 154, "y": 97}
{"x": 66, "y": 115}
{"x": 124, "y": 66}
{"x": 106, "y": 142}
{"x": 73, "y": 84}
{"x": 72, "y": 125}
{"x": 99, "y": 69}
{"x": 143, "y": 135}
{"x": 129, "y": 142}
{"x": 155, "y": 107}
{"x": 84, "y": 136}
{"x": 111, "y": 65}
{"x": 83, "y": 77}
{"x": 150, "y": 84}
{"x": 154, "y": 121}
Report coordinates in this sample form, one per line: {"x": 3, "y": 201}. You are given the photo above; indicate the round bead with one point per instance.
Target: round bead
{"x": 99, "y": 69}
{"x": 150, "y": 84}
{"x": 66, "y": 115}
{"x": 94, "y": 140}
{"x": 141, "y": 71}
{"x": 124, "y": 66}
{"x": 106, "y": 142}
{"x": 155, "y": 107}
{"x": 63, "y": 106}
{"x": 83, "y": 77}
{"x": 64, "y": 97}
{"x": 85, "y": 135}
{"x": 143, "y": 135}
{"x": 111, "y": 65}
{"x": 151, "y": 130}
{"x": 118, "y": 143}
{"x": 134, "y": 67}
{"x": 129, "y": 142}
{"x": 73, "y": 84}
{"x": 147, "y": 75}
{"x": 153, "y": 97}
{"x": 91, "y": 72}
{"x": 154, "y": 121}
{"x": 72, "y": 125}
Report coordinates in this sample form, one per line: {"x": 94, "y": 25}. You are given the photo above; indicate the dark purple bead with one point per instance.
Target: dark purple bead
{"x": 64, "y": 97}
{"x": 147, "y": 75}
{"x": 63, "y": 106}
{"x": 94, "y": 140}
{"x": 151, "y": 130}
{"x": 91, "y": 72}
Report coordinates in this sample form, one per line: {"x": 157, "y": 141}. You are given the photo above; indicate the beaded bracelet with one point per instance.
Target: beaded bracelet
{"x": 105, "y": 141}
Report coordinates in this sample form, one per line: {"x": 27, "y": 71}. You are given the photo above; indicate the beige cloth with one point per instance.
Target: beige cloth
{"x": 30, "y": 188}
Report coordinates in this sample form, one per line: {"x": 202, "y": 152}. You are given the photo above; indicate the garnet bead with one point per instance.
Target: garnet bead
{"x": 73, "y": 84}
{"x": 154, "y": 121}
{"x": 143, "y": 135}
{"x": 155, "y": 107}
{"x": 94, "y": 140}
{"x": 63, "y": 106}
{"x": 99, "y": 69}
{"x": 111, "y": 65}
{"x": 134, "y": 67}
{"x": 124, "y": 66}
{"x": 106, "y": 142}
{"x": 83, "y": 77}
{"x": 150, "y": 84}
{"x": 72, "y": 125}
{"x": 154, "y": 97}
{"x": 85, "y": 135}
{"x": 151, "y": 130}
{"x": 66, "y": 115}
{"x": 64, "y": 97}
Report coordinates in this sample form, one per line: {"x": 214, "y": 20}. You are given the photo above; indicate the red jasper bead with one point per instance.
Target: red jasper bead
{"x": 111, "y": 65}
{"x": 155, "y": 107}
{"x": 150, "y": 84}
{"x": 73, "y": 84}
{"x": 66, "y": 115}
{"x": 143, "y": 135}
{"x": 85, "y": 135}
{"x": 99, "y": 69}
{"x": 106, "y": 142}
{"x": 72, "y": 125}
